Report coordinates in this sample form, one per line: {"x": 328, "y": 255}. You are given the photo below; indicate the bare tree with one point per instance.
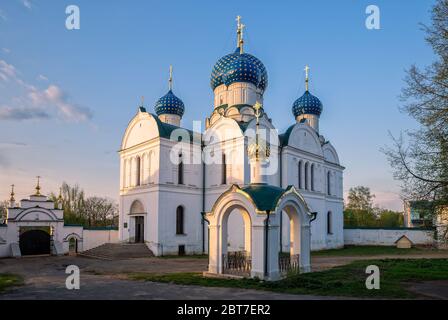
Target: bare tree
{"x": 3, "y": 206}
{"x": 91, "y": 211}
{"x": 420, "y": 160}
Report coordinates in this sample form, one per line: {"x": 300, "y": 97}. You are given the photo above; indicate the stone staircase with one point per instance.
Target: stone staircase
{"x": 118, "y": 251}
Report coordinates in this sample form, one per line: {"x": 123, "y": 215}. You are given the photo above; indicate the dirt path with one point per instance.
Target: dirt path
{"x": 45, "y": 278}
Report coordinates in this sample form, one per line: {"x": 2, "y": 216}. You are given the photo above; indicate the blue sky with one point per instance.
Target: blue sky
{"x": 67, "y": 96}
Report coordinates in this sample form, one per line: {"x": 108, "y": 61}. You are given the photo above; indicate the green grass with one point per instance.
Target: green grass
{"x": 370, "y": 251}
{"x": 9, "y": 280}
{"x": 348, "y": 280}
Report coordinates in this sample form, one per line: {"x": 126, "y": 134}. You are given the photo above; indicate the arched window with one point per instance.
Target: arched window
{"x": 300, "y": 175}
{"x": 312, "y": 177}
{"x": 306, "y": 175}
{"x": 329, "y": 223}
{"x": 328, "y": 183}
{"x": 125, "y": 167}
{"x": 180, "y": 220}
{"x": 149, "y": 167}
{"x": 137, "y": 171}
{"x": 180, "y": 171}
{"x": 129, "y": 173}
{"x": 223, "y": 170}
{"x": 136, "y": 208}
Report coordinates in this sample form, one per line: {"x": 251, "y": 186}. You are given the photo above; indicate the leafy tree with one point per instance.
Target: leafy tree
{"x": 390, "y": 219}
{"x": 364, "y": 218}
{"x": 421, "y": 160}
{"x": 360, "y": 198}
{"x": 359, "y": 218}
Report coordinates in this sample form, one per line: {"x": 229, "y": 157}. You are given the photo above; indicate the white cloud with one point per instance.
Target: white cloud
{"x": 6, "y": 50}
{"x": 2, "y": 15}
{"x": 53, "y": 95}
{"x": 42, "y": 77}
{"x": 37, "y": 103}
{"x": 27, "y": 4}
{"x": 22, "y": 113}
{"x": 7, "y": 71}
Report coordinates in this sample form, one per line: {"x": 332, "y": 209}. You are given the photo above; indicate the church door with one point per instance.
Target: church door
{"x": 139, "y": 229}
{"x": 34, "y": 242}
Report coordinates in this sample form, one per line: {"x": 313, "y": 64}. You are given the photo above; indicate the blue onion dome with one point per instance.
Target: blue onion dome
{"x": 307, "y": 104}
{"x": 239, "y": 67}
{"x": 169, "y": 104}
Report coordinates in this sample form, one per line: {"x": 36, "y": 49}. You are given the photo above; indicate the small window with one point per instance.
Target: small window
{"x": 180, "y": 220}
{"x": 180, "y": 169}
{"x": 306, "y": 176}
{"x": 181, "y": 250}
{"x": 300, "y": 175}
{"x": 329, "y": 223}
{"x": 137, "y": 171}
{"x": 312, "y": 177}
{"x": 223, "y": 170}
{"x": 328, "y": 183}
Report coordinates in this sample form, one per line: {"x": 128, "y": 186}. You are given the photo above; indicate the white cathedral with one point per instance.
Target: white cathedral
{"x": 173, "y": 179}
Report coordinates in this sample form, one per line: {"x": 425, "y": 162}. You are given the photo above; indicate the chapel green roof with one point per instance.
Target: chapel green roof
{"x": 265, "y": 196}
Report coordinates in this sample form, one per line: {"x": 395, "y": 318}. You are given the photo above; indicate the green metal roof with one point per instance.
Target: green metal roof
{"x": 264, "y": 196}
{"x": 165, "y": 129}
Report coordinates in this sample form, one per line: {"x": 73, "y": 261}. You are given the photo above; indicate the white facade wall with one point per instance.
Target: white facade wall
{"x": 386, "y": 237}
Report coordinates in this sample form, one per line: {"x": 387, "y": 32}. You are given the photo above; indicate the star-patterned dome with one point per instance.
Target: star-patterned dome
{"x": 307, "y": 104}
{"x": 169, "y": 104}
{"x": 239, "y": 67}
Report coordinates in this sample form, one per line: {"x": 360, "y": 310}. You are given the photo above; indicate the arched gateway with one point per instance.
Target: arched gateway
{"x": 261, "y": 206}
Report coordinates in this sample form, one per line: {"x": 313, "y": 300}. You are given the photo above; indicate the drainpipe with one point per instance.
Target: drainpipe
{"x": 203, "y": 199}
{"x": 208, "y": 237}
{"x": 266, "y": 247}
{"x": 281, "y": 186}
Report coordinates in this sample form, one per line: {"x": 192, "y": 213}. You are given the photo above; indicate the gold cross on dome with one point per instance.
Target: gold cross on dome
{"x": 12, "y": 193}
{"x": 307, "y": 76}
{"x": 38, "y": 186}
{"x": 257, "y": 108}
{"x": 170, "y": 81}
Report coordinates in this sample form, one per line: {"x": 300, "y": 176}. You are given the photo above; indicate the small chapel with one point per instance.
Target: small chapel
{"x": 256, "y": 200}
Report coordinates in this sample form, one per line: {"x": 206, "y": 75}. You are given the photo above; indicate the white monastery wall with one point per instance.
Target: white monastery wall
{"x": 386, "y": 237}
{"x": 94, "y": 238}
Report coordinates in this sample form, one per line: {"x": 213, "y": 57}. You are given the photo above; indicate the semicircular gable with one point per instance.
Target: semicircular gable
{"x": 143, "y": 127}
{"x": 223, "y": 129}
{"x": 30, "y": 215}
{"x": 330, "y": 153}
{"x": 303, "y": 137}
{"x": 267, "y": 131}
